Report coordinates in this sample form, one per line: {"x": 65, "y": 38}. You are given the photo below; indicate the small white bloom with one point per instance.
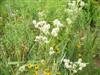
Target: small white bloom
{"x": 82, "y": 4}
{"x": 72, "y": 5}
{"x": 55, "y": 32}
{"x": 45, "y": 39}
{"x": 79, "y": 60}
{"x": 80, "y": 68}
{"x": 57, "y": 23}
{"x": 74, "y": 66}
{"x": 66, "y": 60}
{"x": 22, "y": 68}
{"x": 69, "y": 21}
{"x": 40, "y": 24}
{"x": 82, "y": 65}
{"x": 34, "y": 22}
{"x": 69, "y": 11}
{"x": 42, "y": 61}
{"x": 68, "y": 66}
{"x": 51, "y": 48}
{"x": 41, "y": 39}
{"x": 40, "y": 14}
{"x": 74, "y": 71}
{"x": 51, "y": 51}
{"x": 43, "y": 26}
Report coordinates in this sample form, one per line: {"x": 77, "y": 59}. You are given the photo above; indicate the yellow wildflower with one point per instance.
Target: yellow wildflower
{"x": 78, "y": 45}
{"x": 29, "y": 66}
{"x": 36, "y": 67}
{"x": 48, "y": 73}
{"x": 57, "y": 50}
{"x": 36, "y": 73}
{"x": 44, "y": 72}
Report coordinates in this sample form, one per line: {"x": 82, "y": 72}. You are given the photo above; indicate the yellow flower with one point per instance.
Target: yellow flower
{"x": 36, "y": 73}
{"x": 29, "y": 66}
{"x": 46, "y": 72}
{"x": 36, "y": 67}
{"x": 57, "y": 50}
{"x": 49, "y": 73}
{"x": 78, "y": 45}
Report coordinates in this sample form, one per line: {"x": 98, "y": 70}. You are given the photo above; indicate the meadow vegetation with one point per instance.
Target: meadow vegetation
{"x": 49, "y": 37}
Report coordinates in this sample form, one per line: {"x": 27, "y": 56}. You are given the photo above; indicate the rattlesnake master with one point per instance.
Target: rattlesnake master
{"x": 20, "y": 37}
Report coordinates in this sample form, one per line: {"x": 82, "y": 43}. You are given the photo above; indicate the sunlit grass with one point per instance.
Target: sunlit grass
{"x": 71, "y": 36}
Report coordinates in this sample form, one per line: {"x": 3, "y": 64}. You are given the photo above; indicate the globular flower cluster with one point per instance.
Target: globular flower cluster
{"x": 56, "y": 30}
{"x": 57, "y": 23}
{"x": 74, "y": 67}
{"x": 73, "y": 10}
{"x": 44, "y": 28}
{"x": 75, "y": 6}
{"x": 24, "y": 68}
{"x": 41, "y": 39}
{"x": 51, "y": 51}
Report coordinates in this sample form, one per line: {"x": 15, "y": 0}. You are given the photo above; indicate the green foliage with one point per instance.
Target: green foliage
{"x": 17, "y": 34}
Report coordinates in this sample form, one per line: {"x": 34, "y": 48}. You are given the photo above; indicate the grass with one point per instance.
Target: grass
{"x": 17, "y": 35}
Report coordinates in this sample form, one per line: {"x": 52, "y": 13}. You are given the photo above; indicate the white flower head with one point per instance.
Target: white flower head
{"x": 74, "y": 71}
{"x": 80, "y": 68}
{"x": 67, "y": 63}
{"x": 45, "y": 39}
{"x": 40, "y": 24}
{"x": 34, "y": 22}
{"x": 22, "y": 68}
{"x": 72, "y": 4}
{"x": 43, "y": 26}
{"x": 69, "y": 21}
{"x": 41, "y": 39}
{"x": 82, "y": 64}
{"x": 51, "y": 48}
{"x": 57, "y": 23}
{"x": 54, "y": 32}
{"x": 74, "y": 66}
{"x": 79, "y": 60}
{"x": 82, "y": 4}
{"x": 68, "y": 66}
{"x": 51, "y": 51}
{"x": 69, "y": 11}
{"x": 66, "y": 60}
{"x": 40, "y": 14}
